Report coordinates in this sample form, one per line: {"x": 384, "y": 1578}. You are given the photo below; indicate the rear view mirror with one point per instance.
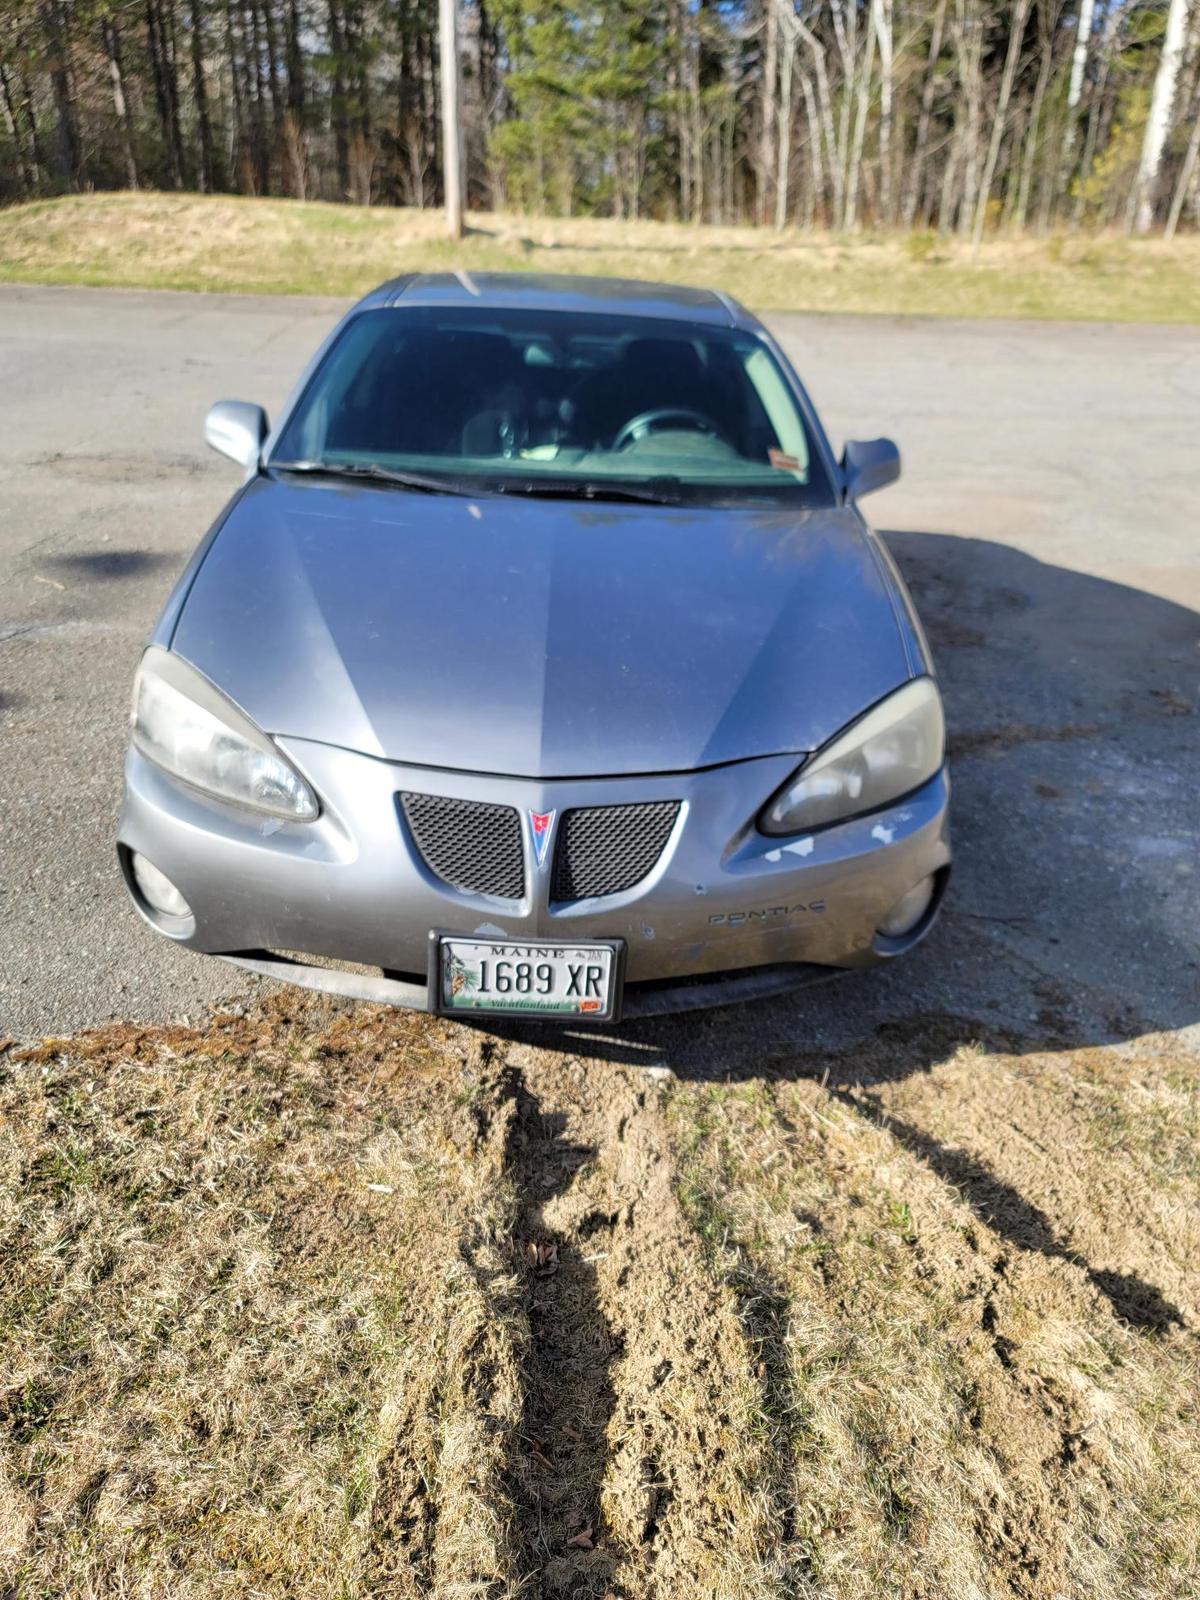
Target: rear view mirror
{"x": 236, "y": 429}
{"x": 869, "y": 464}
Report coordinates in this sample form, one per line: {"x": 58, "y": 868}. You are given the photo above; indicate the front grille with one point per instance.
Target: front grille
{"x": 605, "y": 849}
{"x": 470, "y": 844}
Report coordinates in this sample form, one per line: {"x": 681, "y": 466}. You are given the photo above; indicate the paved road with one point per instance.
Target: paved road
{"x": 1047, "y": 521}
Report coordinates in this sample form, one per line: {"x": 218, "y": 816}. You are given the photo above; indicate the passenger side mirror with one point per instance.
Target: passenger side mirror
{"x": 237, "y": 429}
{"x": 869, "y": 464}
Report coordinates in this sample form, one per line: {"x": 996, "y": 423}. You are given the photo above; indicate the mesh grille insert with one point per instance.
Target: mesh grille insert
{"x": 470, "y": 844}
{"x": 604, "y": 849}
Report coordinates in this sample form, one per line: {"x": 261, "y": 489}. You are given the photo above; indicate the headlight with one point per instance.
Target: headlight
{"x": 894, "y": 749}
{"x": 188, "y": 727}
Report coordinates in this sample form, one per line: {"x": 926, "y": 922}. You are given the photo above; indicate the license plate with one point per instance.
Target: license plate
{"x": 581, "y": 981}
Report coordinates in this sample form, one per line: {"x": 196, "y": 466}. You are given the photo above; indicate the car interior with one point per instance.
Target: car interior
{"x": 609, "y": 399}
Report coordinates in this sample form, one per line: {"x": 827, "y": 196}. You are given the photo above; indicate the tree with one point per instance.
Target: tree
{"x": 56, "y": 31}
{"x": 112, "y": 47}
{"x": 1016, "y": 33}
{"x": 853, "y": 113}
{"x": 1187, "y": 173}
{"x": 1158, "y": 123}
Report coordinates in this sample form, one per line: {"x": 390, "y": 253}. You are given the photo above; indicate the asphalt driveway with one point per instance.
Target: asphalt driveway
{"x": 1047, "y": 523}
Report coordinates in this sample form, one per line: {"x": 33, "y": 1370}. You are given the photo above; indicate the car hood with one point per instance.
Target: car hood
{"x": 540, "y": 638}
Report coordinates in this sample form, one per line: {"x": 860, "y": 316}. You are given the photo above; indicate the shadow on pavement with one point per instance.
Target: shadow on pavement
{"x": 107, "y": 565}
{"x": 1074, "y": 912}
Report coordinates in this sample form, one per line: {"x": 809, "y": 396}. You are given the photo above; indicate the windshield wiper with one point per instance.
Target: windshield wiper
{"x": 595, "y": 489}
{"x": 650, "y": 493}
{"x": 373, "y": 474}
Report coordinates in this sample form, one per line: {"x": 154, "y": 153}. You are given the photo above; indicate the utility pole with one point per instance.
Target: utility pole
{"x": 452, "y": 159}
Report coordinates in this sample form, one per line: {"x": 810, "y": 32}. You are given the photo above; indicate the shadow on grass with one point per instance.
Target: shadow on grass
{"x": 1013, "y": 1217}
{"x": 568, "y": 1393}
{"x": 1071, "y": 718}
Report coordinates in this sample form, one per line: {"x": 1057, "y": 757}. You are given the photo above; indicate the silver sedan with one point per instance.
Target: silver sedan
{"x": 542, "y": 665}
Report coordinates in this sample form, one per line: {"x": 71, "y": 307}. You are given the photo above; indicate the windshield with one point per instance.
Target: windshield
{"x": 557, "y": 402}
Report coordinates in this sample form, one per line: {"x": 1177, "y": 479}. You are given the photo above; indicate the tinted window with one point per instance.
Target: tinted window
{"x": 501, "y": 398}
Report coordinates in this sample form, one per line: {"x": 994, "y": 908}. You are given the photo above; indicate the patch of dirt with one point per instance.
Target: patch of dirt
{"x": 1172, "y": 703}
{"x": 984, "y": 1305}
{"x": 441, "y": 1518}
{"x": 358, "y": 1303}
{"x": 631, "y": 1463}
{"x": 1010, "y": 734}
{"x": 112, "y": 467}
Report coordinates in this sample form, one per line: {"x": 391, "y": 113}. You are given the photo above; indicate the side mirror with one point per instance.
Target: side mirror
{"x": 237, "y": 430}
{"x": 869, "y": 464}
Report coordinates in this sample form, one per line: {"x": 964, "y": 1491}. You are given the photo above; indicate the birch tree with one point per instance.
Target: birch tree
{"x": 1158, "y": 123}
{"x": 881, "y": 11}
{"x": 916, "y": 172}
{"x": 1187, "y": 173}
{"x": 1015, "y": 35}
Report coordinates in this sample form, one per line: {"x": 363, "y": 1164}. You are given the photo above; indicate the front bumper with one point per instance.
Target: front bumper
{"x": 724, "y": 904}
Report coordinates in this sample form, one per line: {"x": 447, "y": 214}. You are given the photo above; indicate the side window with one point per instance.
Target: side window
{"x": 334, "y": 389}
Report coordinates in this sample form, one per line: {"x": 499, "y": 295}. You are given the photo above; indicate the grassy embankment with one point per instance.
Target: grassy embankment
{"x": 348, "y": 1304}
{"x": 161, "y": 241}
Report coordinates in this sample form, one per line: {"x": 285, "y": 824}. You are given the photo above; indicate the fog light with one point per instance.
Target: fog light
{"x": 908, "y": 910}
{"x": 159, "y": 893}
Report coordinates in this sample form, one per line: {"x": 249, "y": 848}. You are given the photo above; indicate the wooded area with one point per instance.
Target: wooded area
{"x": 956, "y": 115}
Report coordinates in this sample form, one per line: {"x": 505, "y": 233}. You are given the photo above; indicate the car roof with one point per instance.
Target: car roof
{"x": 627, "y": 297}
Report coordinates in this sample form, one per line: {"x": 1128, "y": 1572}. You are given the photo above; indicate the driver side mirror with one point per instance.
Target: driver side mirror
{"x": 869, "y": 464}
{"x": 237, "y": 429}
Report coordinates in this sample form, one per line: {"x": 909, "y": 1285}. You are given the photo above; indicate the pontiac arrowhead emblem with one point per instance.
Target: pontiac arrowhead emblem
{"x": 540, "y": 825}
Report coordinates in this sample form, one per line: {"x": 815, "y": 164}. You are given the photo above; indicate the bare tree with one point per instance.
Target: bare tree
{"x": 787, "y": 63}
{"x": 1015, "y": 35}
{"x": 916, "y": 171}
{"x": 55, "y": 26}
{"x": 1079, "y": 56}
{"x": 825, "y": 102}
{"x": 959, "y": 194}
{"x": 112, "y": 47}
{"x": 882, "y": 17}
{"x": 850, "y": 218}
{"x": 776, "y": 14}
{"x": 1187, "y": 173}
{"x": 207, "y": 166}
{"x": 1158, "y": 123}
{"x": 849, "y": 113}
{"x": 27, "y": 168}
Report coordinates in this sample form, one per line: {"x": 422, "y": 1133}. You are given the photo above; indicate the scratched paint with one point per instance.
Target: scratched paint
{"x": 798, "y": 847}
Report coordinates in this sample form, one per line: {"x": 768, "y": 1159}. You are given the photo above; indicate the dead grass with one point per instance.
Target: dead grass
{"x": 228, "y": 1273}
{"x": 986, "y": 1335}
{"x": 169, "y": 241}
{"x": 345, "y": 1303}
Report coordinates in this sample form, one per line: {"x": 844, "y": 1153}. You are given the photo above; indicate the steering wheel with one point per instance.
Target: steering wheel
{"x": 646, "y": 422}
